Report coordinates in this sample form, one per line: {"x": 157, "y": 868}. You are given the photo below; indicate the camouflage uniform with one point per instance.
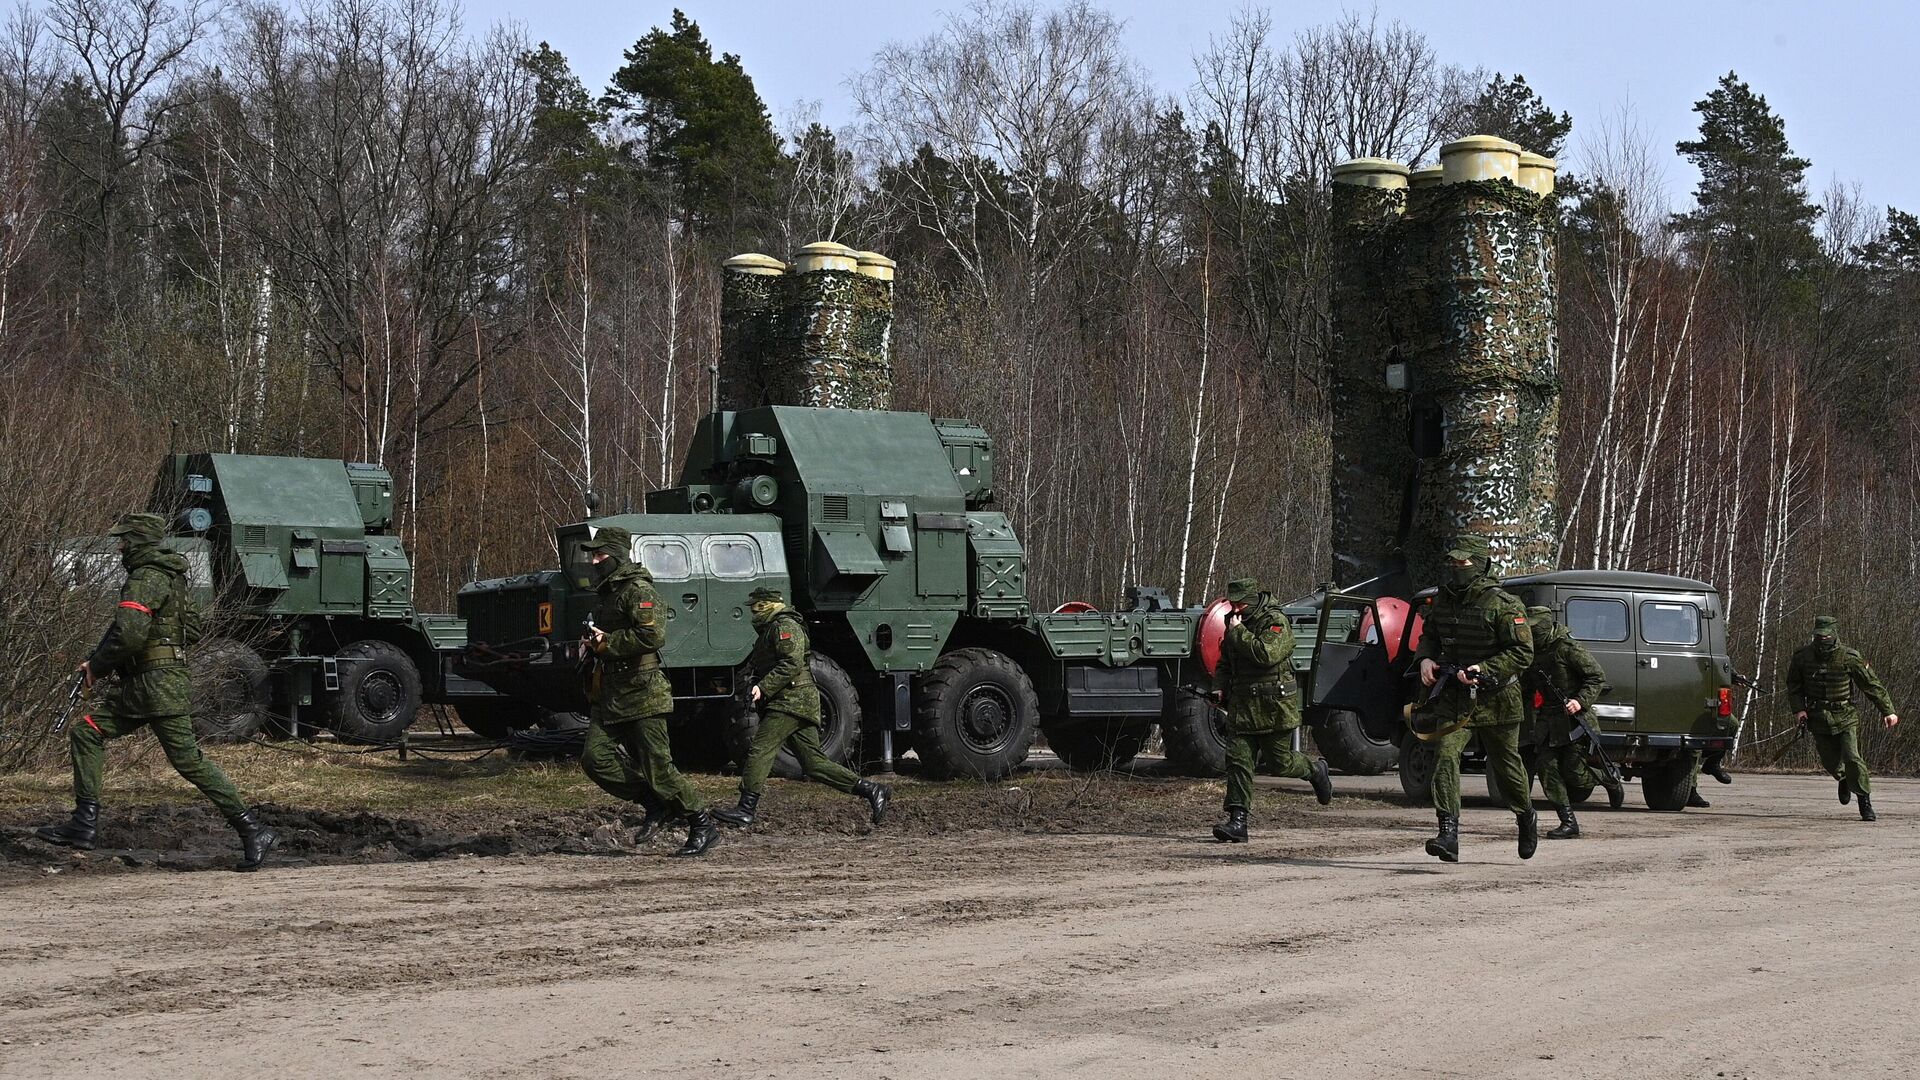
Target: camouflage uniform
{"x": 1262, "y": 705}
{"x": 1821, "y": 678}
{"x": 1472, "y": 622}
{"x": 143, "y": 657}
{"x": 791, "y": 713}
{"x": 1562, "y": 668}
{"x": 632, "y": 701}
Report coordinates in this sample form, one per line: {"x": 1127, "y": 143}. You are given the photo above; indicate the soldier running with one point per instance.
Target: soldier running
{"x": 1820, "y": 681}
{"x": 1480, "y": 633}
{"x": 1569, "y": 680}
{"x": 1262, "y": 703}
{"x": 143, "y": 654}
{"x": 632, "y": 701}
{"x": 790, "y": 716}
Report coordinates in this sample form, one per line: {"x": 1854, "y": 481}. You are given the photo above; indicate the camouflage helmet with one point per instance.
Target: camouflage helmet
{"x": 612, "y": 539}
{"x": 766, "y": 595}
{"x": 1469, "y": 546}
{"x": 1242, "y": 590}
{"x": 140, "y": 528}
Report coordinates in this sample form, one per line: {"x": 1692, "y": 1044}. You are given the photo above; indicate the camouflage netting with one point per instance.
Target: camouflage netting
{"x": 1371, "y": 458}
{"x": 1461, "y": 287}
{"x": 1485, "y": 349}
{"x": 749, "y": 304}
{"x": 830, "y": 345}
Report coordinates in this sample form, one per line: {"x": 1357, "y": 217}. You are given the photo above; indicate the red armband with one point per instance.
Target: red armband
{"x": 137, "y": 606}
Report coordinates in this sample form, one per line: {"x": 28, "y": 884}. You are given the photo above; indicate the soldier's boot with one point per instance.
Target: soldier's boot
{"x": 1529, "y": 833}
{"x": 1718, "y": 770}
{"x": 651, "y": 824}
{"x": 1846, "y": 793}
{"x": 701, "y": 834}
{"x": 256, "y": 840}
{"x": 1322, "y": 782}
{"x": 1866, "y": 808}
{"x": 77, "y": 831}
{"x": 1695, "y": 801}
{"x": 877, "y": 796}
{"x": 1616, "y": 792}
{"x": 740, "y": 816}
{"x": 1569, "y": 825}
{"x": 1234, "y": 829}
{"x": 1446, "y": 846}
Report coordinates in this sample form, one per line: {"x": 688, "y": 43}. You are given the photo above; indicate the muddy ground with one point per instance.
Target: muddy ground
{"x": 1044, "y": 927}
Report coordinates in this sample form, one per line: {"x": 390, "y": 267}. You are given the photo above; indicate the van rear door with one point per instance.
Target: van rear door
{"x": 1677, "y": 670}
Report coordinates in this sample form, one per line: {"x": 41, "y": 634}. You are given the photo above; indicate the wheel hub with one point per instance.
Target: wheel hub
{"x": 986, "y": 718}
{"x": 380, "y": 695}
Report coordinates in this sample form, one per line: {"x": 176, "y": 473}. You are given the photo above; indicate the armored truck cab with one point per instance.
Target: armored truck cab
{"x": 880, "y": 527}
{"x": 311, "y": 593}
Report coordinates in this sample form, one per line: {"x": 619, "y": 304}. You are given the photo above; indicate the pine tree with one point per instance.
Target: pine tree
{"x": 1751, "y": 204}
{"x": 1512, "y": 110}
{"x": 703, "y": 124}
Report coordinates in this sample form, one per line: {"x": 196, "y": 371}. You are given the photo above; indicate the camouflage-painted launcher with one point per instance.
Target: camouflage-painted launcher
{"x": 819, "y": 335}
{"x": 1371, "y": 458}
{"x": 1466, "y": 277}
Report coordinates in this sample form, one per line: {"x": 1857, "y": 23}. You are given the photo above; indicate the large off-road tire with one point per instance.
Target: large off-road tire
{"x": 232, "y": 697}
{"x": 1194, "y": 734}
{"x": 379, "y": 693}
{"x": 1094, "y": 745}
{"x": 497, "y": 718}
{"x": 1343, "y": 740}
{"x": 1665, "y": 785}
{"x": 1417, "y": 760}
{"x": 840, "y": 718}
{"x": 974, "y": 715}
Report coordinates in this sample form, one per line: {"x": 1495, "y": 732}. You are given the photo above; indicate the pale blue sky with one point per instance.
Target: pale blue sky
{"x": 1844, "y": 75}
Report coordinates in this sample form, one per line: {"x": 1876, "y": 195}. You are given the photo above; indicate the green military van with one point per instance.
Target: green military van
{"x": 1661, "y": 640}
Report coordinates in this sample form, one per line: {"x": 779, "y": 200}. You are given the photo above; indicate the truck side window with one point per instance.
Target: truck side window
{"x": 728, "y": 557}
{"x": 1597, "y": 620}
{"x": 666, "y": 560}
{"x": 1664, "y": 622}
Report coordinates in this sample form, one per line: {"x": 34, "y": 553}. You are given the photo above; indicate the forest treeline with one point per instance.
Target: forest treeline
{"x": 362, "y": 228}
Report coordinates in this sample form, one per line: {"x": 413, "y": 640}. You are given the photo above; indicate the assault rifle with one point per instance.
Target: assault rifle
{"x": 1443, "y": 675}
{"x": 1554, "y": 695}
{"x": 74, "y": 695}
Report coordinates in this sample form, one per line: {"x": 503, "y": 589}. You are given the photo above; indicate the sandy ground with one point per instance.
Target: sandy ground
{"x": 1768, "y": 937}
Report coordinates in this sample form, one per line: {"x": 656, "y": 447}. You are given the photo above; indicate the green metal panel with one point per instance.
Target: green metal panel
{"x": 312, "y": 492}
{"x": 909, "y": 640}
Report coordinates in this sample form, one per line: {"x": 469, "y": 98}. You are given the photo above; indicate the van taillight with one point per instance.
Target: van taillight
{"x": 1726, "y": 701}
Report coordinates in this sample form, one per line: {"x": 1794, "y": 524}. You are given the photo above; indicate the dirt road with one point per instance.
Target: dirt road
{"x": 1768, "y": 937}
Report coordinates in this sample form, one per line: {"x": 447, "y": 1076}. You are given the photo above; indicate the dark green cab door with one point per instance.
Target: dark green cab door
{"x": 1676, "y": 665}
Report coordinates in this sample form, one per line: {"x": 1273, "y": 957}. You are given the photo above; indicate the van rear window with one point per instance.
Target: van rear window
{"x": 1597, "y": 620}
{"x": 1669, "y": 622}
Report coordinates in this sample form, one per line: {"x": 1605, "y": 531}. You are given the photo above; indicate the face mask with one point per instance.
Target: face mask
{"x": 1826, "y": 644}
{"x": 764, "y": 612}
{"x": 1459, "y": 577}
{"x": 604, "y": 569}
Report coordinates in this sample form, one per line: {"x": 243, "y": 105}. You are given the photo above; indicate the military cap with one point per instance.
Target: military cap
{"x": 610, "y": 538}
{"x": 148, "y": 527}
{"x": 1537, "y": 612}
{"x": 1241, "y": 590}
{"x": 1469, "y": 546}
{"x": 1825, "y": 626}
{"x": 766, "y": 595}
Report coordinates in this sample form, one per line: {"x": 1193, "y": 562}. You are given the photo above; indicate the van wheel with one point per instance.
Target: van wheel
{"x": 975, "y": 715}
{"x": 1342, "y": 738}
{"x": 231, "y": 696}
{"x": 1417, "y": 760}
{"x": 1194, "y": 733}
{"x": 379, "y": 693}
{"x": 1665, "y": 785}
